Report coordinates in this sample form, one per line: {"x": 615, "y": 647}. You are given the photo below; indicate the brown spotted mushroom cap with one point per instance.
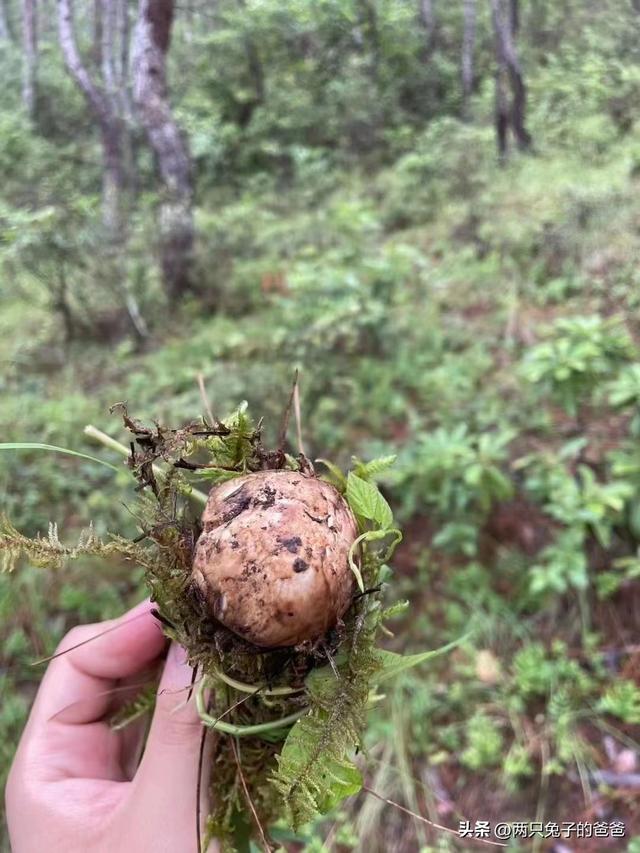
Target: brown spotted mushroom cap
{"x": 272, "y": 557}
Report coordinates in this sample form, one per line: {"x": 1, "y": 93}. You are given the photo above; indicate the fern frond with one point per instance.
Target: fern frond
{"x": 315, "y": 768}
{"x": 369, "y": 470}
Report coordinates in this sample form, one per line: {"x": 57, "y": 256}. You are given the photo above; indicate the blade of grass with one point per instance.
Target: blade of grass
{"x": 30, "y": 445}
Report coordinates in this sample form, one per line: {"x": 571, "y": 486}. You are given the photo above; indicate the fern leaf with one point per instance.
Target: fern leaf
{"x": 367, "y": 470}
{"x": 315, "y": 768}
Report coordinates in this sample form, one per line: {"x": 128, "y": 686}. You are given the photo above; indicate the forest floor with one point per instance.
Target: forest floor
{"x": 482, "y": 324}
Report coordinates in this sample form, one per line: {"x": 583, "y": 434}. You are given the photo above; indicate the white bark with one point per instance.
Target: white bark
{"x": 151, "y": 41}
{"x": 30, "y": 55}
{"x": 107, "y": 53}
{"x": 107, "y": 118}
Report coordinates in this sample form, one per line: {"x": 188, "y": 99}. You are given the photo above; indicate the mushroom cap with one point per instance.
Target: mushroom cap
{"x": 272, "y": 560}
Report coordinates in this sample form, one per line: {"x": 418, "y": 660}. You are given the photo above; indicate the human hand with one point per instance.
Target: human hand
{"x": 74, "y": 784}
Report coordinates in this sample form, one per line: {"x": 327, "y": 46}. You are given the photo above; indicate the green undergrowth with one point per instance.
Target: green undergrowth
{"x": 288, "y": 723}
{"x": 482, "y": 324}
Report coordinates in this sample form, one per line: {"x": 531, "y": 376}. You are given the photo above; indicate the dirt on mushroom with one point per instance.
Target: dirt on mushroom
{"x": 272, "y": 560}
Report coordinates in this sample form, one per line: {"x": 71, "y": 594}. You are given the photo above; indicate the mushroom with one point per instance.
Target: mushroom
{"x": 272, "y": 560}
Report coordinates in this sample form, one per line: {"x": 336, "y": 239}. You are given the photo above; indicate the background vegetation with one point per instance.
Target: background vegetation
{"x": 453, "y": 264}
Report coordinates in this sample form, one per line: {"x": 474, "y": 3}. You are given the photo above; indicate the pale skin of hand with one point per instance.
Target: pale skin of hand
{"x": 74, "y": 784}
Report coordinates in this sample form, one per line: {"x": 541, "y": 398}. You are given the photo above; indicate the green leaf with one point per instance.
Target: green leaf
{"x": 370, "y": 536}
{"x": 366, "y": 501}
{"x": 29, "y": 445}
{"x": 393, "y": 663}
{"x": 365, "y": 470}
{"x": 232, "y": 451}
{"x": 218, "y": 475}
{"x": 315, "y": 768}
{"x": 394, "y": 610}
{"x": 334, "y": 775}
{"x": 337, "y": 477}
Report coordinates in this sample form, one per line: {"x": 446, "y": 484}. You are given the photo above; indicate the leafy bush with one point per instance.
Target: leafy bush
{"x": 563, "y": 565}
{"x": 485, "y": 746}
{"x": 624, "y": 393}
{"x": 459, "y": 475}
{"x": 622, "y": 700}
{"x": 578, "y": 354}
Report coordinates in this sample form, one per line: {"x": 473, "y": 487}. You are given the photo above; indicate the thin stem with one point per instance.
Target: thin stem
{"x": 203, "y": 739}
{"x": 115, "y": 627}
{"x": 424, "y": 819}
{"x": 31, "y": 445}
{"x": 107, "y": 441}
{"x": 252, "y": 688}
{"x": 236, "y": 755}
{"x": 296, "y": 409}
{"x": 205, "y": 400}
{"x": 240, "y": 731}
{"x": 585, "y": 616}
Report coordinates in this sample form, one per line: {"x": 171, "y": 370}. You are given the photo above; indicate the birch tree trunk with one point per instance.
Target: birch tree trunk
{"x": 151, "y": 42}
{"x": 107, "y": 119}
{"x": 107, "y": 53}
{"x": 468, "y": 50}
{"x": 30, "y": 56}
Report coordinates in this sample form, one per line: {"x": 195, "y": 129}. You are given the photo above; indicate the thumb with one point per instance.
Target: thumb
{"x": 166, "y": 782}
{"x": 170, "y": 760}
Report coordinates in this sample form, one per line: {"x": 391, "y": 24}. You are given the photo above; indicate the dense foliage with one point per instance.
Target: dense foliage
{"x": 475, "y": 316}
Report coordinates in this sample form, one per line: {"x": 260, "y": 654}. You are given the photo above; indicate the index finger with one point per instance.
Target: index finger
{"x": 83, "y": 676}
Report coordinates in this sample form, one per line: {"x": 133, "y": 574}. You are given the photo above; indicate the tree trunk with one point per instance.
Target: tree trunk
{"x": 149, "y": 53}
{"x": 123, "y": 29}
{"x": 30, "y": 57}
{"x": 5, "y": 30}
{"x": 468, "y": 50}
{"x": 508, "y": 68}
{"x": 256, "y": 70}
{"x": 96, "y": 49}
{"x": 368, "y": 15}
{"x": 108, "y": 120}
{"x": 428, "y": 18}
{"x": 514, "y": 17}
{"x": 108, "y": 9}
{"x": 501, "y": 107}
{"x": 122, "y": 26}
{"x": 105, "y": 107}
{"x": 113, "y": 177}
